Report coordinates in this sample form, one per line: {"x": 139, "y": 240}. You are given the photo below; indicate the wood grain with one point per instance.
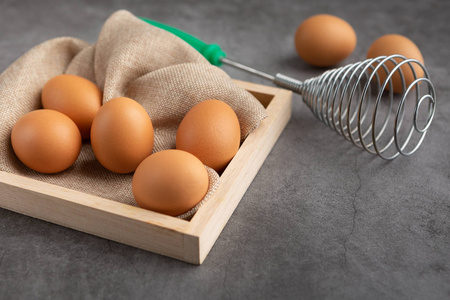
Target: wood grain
{"x": 189, "y": 241}
{"x": 211, "y": 218}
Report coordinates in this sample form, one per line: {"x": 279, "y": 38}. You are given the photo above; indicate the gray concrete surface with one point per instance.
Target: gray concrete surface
{"x": 321, "y": 220}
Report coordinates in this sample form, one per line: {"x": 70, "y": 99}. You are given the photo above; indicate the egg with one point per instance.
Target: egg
{"x": 211, "y": 132}
{"x": 46, "y": 141}
{"x": 397, "y": 44}
{"x": 74, "y": 96}
{"x": 324, "y": 40}
{"x": 170, "y": 182}
{"x": 122, "y": 135}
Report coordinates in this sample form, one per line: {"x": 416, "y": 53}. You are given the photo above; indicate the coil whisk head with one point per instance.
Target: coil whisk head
{"x": 384, "y": 105}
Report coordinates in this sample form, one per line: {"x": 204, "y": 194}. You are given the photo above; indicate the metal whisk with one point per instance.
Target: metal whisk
{"x": 357, "y": 100}
{"x": 359, "y": 103}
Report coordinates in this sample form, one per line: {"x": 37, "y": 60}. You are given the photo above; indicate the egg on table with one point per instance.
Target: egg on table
{"x": 324, "y": 40}
{"x": 397, "y": 44}
{"x": 74, "y": 96}
{"x": 122, "y": 135}
{"x": 46, "y": 141}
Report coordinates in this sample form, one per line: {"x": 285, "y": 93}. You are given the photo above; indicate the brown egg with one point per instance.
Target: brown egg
{"x": 210, "y": 131}
{"x": 46, "y": 141}
{"x": 397, "y": 44}
{"x": 324, "y": 40}
{"x": 122, "y": 135}
{"x": 74, "y": 96}
{"x": 170, "y": 182}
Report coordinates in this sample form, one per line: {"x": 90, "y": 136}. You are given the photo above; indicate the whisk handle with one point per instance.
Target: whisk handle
{"x": 289, "y": 83}
{"x": 212, "y": 52}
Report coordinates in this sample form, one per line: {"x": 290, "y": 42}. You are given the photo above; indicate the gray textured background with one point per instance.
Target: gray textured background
{"x": 321, "y": 220}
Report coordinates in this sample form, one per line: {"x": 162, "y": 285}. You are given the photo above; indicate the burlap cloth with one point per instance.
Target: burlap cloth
{"x": 131, "y": 58}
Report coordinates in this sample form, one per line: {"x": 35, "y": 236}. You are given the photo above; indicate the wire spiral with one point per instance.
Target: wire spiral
{"x": 377, "y": 104}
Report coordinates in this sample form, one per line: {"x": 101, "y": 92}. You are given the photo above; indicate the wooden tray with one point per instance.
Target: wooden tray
{"x": 189, "y": 241}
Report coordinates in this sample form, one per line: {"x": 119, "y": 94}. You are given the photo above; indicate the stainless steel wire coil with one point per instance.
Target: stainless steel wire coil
{"x": 358, "y": 102}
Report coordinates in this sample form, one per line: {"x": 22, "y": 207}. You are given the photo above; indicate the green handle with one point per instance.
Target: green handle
{"x": 211, "y": 52}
